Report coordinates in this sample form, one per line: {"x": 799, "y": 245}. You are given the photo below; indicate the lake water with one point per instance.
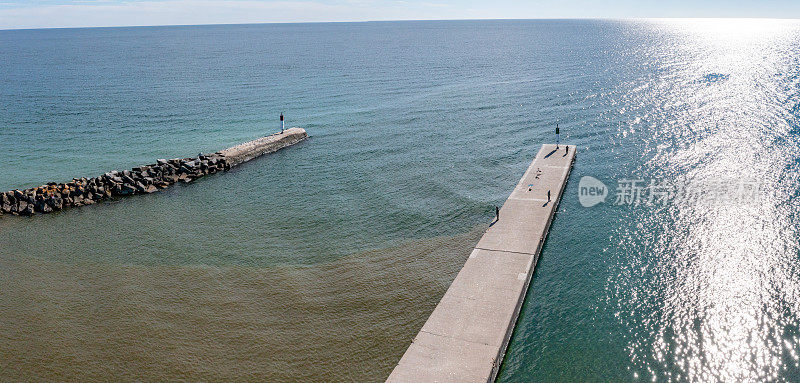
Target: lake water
{"x": 321, "y": 262}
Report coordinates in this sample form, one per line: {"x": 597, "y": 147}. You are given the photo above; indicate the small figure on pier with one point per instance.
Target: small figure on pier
{"x": 548, "y": 196}
{"x": 281, "y": 122}
{"x": 566, "y": 152}
{"x": 496, "y": 213}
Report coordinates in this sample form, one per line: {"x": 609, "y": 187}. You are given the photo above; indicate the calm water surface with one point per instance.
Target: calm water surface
{"x": 321, "y": 262}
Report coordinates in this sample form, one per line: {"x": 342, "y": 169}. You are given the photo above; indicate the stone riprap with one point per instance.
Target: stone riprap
{"x": 139, "y": 180}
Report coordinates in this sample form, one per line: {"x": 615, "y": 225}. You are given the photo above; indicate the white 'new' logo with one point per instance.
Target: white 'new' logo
{"x": 591, "y": 191}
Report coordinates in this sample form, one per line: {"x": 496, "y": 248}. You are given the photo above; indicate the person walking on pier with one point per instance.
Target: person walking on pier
{"x": 496, "y": 213}
{"x": 548, "y": 196}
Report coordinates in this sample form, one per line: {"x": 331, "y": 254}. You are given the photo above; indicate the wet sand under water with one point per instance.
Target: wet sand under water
{"x": 345, "y": 320}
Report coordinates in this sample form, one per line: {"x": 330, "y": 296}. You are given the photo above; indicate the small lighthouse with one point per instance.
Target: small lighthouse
{"x": 281, "y": 122}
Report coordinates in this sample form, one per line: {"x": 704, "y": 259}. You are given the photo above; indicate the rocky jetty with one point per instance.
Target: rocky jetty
{"x": 140, "y": 180}
{"x": 87, "y": 191}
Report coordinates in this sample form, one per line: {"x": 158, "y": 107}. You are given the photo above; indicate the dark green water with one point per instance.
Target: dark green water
{"x": 321, "y": 262}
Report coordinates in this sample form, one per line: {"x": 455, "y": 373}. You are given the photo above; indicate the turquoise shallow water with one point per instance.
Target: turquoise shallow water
{"x": 339, "y": 247}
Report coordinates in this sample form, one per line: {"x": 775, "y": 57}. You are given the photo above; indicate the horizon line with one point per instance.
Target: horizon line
{"x": 402, "y": 20}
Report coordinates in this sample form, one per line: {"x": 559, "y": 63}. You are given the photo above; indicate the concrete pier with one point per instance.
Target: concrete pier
{"x": 465, "y": 338}
{"x": 252, "y": 149}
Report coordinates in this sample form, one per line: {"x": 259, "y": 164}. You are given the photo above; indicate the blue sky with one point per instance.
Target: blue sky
{"x": 86, "y": 13}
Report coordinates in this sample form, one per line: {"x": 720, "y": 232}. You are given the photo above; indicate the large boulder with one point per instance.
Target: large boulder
{"x": 43, "y": 207}
{"x": 55, "y": 203}
{"x": 126, "y": 189}
{"x": 140, "y": 187}
{"x": 25, "y": 209}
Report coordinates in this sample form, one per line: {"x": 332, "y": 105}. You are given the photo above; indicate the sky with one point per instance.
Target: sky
{"x": 18, "y": 14}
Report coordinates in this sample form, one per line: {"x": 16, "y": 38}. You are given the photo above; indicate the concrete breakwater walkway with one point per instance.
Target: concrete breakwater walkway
{"x": 465, "y": 338}
{"x": 140, "y": 180}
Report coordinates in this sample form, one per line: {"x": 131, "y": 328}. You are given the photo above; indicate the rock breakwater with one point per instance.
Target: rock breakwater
{"x": 139, "y": 180}
{"x": 87, "y": 191}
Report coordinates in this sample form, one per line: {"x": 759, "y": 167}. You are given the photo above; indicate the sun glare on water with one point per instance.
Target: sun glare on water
{"x": 710, "y": 287}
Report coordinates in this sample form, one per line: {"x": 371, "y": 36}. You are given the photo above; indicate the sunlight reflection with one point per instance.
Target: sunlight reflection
{"x": 715, "y": 295}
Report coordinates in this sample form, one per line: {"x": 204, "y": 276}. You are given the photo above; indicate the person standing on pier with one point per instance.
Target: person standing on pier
{"x": 281, "y": 122}
{"x": 496, "y": 213}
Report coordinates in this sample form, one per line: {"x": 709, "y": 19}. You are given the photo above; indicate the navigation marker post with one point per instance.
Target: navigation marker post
{"x": 557, "y": 136}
